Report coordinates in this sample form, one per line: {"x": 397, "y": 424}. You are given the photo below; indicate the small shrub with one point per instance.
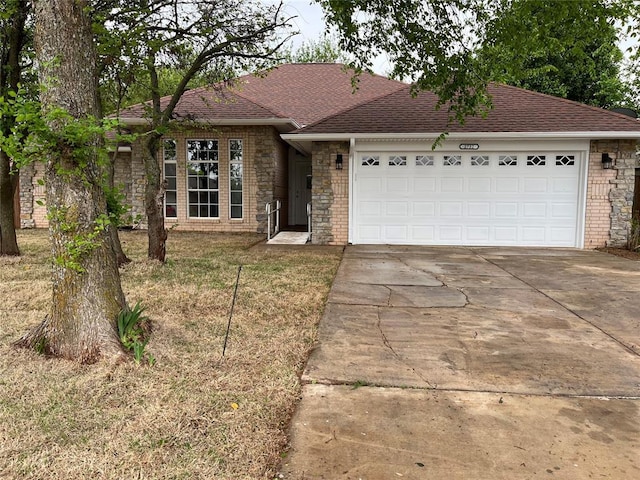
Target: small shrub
{"x": 131, "y": 331}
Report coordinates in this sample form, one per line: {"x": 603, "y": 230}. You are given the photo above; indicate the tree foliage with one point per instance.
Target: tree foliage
{"x": 322, "y": 50}
{"x": 455, "y": 47}
{"x": 566, "y": 49}
{"x": 188, "y": 41}
{"x": 15, "y": 59}
{"x": 431, "y": 43}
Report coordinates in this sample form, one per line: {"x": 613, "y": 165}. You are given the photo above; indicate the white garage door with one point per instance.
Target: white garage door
{"x": 466, "y": 199}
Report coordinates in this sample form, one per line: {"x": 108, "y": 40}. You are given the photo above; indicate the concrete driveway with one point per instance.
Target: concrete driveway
{"x": 473, "y": 363}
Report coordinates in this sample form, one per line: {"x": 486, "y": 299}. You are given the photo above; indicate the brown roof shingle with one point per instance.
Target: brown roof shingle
{"x": 305, "y": 93}
{"x": 514, "y": 110}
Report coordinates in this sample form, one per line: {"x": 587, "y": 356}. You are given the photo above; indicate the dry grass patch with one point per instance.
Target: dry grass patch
{"x": 193, "y": 414}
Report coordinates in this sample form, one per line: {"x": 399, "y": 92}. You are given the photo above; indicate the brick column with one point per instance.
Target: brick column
{"x": 330, "y": 194}
{"x": 610, "y": 193}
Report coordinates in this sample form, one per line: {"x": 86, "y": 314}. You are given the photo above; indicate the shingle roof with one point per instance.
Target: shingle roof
{"x": 514, "y": 110}
{"x": 305, "y": 93}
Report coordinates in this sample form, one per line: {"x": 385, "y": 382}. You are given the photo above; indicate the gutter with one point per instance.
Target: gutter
{"x": 273, "y": 121}
{"x": 426, "y": 136}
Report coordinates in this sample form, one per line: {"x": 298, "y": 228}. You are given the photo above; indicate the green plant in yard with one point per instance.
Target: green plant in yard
{"x": 132, "y": 334}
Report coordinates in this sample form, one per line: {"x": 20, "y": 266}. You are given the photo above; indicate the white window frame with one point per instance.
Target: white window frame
{"x": 201, "y": 190}
{"x": 239, "y": 162}
{"x": 170, "y": 161}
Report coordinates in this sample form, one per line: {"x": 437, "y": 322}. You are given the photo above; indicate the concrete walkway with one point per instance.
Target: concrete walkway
{"x": 484, "y": 363}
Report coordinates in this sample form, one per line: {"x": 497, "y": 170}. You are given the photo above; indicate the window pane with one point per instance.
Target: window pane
{"x": 170, "y": 169}
{"x": 236, "y": 212}
{"x": 236, "y": 198}
{"x": 193, "y": 210}
{"x": 170, "y": 197}
{"x": 236, "y": 184}
{"x": 171, "y": 183}
{"x": 235, "y": 170}
{"x": 203, "y": 177}
{"x": 170, "y": 211}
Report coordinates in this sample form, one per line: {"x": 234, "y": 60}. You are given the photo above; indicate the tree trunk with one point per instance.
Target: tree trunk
{"x": 121, "y": 258}
{"x": 87, "y": 294}
{"x": 154, "y": 200}
{"x": 8, "y": 185}
{"x": 14, "y": 38}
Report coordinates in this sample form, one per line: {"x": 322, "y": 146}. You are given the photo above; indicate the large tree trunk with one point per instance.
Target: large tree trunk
{"x": 14, "y": 38}
{"x": 121, "y": 257}
{"x": 8, "y": 185}
{"x": 154, "y": 200}
{"x": 87, "y": 294}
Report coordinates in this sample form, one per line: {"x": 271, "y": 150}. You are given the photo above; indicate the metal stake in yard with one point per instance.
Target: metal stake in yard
{"x": 233, "y": 303}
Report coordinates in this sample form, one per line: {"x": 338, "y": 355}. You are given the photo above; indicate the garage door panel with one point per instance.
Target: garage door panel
{"x": 452, "y": 185}
{"x": 534, "y": 235}
{"x": 396, "y": 233}
{"x": 564, "y": 185}
{"x": 451, "y": 233}
{"x": 479, "y": 209}
{"x": 480, "y": 185}
{"x": 371, "y": 208}
{"x": 370, "y": 185}
{"x": 370, "y": 233}
{"x": 535, "y": 210}
{"x": 422, "y": 184}
{"x": 507, "y": 185}
{"x": 506, "y": 235}
{"x": 423, "y": 233}
{"x": 478, "y": 234}
{"x": 563, "y": 210}
{"x": 506, "y": 209}
{"x": 422, "y": 209}
{"x": 536, "y": 185}
{"x": 407, "y": 198}
{"x": 397, "y": 185}
{"x": 561, "y": 235}
{"x": 451, "y": 209}
{"x": 397, "y": 209}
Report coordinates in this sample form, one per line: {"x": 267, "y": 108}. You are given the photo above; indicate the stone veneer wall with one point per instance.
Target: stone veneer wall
{"x": 610, "y": 193}
{"x": 281, "y": 181}
{"x": 330, "y": 194}
{"x": 264, "y": 154}
{"x": 266, "y": 158}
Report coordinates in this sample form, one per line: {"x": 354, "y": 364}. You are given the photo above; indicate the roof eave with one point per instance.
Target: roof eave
{"x": 592, "y": 135}
{"x": 281, "y": 124}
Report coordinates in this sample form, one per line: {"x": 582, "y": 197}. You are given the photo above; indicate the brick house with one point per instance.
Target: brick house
{"x": 533, "y": 172}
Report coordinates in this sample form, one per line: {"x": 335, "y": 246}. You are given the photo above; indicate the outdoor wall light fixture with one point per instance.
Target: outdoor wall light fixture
{"x": 607, "y": 161}
{"x": 339, "y": 161}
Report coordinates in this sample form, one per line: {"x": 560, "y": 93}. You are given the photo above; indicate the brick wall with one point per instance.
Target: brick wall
{"x": 264, "y": 154}
{"x": 252, "y": 140}
{"x": 330, "y": 194}
{"x": 610, "y": 193}
{"x": 26, "y": 196}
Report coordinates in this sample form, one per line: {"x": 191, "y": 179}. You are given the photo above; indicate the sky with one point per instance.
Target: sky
{"x": 309, "y": 22}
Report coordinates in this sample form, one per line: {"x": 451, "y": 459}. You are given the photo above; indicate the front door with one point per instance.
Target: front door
{"x": 300, "y": 193}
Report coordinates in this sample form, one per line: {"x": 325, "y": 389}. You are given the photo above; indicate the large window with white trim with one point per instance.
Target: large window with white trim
{"x": 203, "y": 193}
{"x": 170, "y": 174}
{"x": 235, "y": 178}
